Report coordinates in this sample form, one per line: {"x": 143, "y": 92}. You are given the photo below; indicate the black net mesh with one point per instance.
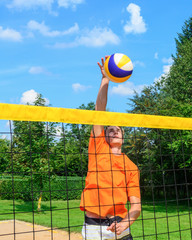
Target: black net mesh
{"x": 43, "y": 167}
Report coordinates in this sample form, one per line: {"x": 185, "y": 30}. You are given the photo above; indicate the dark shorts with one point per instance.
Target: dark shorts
{"x": 128, "y": 237}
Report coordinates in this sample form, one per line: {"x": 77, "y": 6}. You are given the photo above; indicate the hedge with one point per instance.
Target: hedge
{"x": 58, "y": 188}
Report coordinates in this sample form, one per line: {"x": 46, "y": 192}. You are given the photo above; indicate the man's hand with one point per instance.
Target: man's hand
{"x": 129, "y": 219}
{"x": 102, "y": 66}
{"x": 118, "y": 228}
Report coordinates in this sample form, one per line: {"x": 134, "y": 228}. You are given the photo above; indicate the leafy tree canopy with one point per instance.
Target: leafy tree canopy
{"x": 171, "y": 95}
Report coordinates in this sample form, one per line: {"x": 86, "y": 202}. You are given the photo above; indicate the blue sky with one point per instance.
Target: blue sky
{"x": 52, "y": 47}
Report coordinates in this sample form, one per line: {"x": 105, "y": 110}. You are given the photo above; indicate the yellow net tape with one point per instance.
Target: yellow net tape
{"x": 77, "y": 116}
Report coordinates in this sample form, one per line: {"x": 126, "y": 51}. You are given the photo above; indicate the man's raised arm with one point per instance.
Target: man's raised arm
{"x": 101, "y": 101}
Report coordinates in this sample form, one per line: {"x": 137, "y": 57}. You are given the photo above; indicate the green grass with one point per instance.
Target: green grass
{"x": 154, "y": 222}
{"x": 163, "y": 223}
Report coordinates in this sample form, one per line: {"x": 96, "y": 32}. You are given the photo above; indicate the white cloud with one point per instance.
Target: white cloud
{"x": 139, "y": 63}
{"x": 77, "y": 87}
{"x": 37, "y": 70}
{"x": 46, "y": 4}
{"x": 28, "y": 4}
{"x": 10, "y": 34}
{"x": 166, "y": 68}
{"x": 168, "y": 60}
{"x": 45, "y": 30}
{"x": 126, "y": 89}
{"x": 136, "y": 23}
{"x": 156, "y": 55}
{"x": 30, "y": 97}
{"x": 97, "y": 37}
{"x": 69, "y": 3}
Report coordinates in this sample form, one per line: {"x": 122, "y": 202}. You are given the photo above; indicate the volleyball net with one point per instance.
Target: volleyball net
{"x": 44, "y": 163}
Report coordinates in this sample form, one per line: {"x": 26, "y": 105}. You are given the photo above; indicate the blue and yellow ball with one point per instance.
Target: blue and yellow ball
{"x": 118, "y": 68}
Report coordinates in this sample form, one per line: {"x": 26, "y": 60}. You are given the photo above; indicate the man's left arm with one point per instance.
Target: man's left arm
{"x": 130, "y": 218}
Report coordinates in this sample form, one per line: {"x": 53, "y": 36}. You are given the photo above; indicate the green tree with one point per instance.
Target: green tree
{"x": 72, "y": 149}
{"x": 179, "y": 80}
{"x": 170, "y": 96}
{"x": 33, "y": 143}
{"x": 4, "y": 154}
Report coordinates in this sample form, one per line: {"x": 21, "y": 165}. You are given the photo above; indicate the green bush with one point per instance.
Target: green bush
{"x": 58, "y": 188}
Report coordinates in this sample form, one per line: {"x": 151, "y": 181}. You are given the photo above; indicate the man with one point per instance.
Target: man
{"x": 112, "y": 180}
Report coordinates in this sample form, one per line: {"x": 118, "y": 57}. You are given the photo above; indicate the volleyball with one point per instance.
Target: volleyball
{"x": 118, "y": 67}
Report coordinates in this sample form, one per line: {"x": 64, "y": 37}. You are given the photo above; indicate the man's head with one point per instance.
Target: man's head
{"x": 114, "y": 135}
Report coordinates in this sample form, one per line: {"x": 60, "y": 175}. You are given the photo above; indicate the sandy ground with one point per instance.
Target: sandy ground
{"x": 26, "y": 231}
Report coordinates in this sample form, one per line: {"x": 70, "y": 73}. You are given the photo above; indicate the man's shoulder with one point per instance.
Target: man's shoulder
{"x": 130, "y": 164}
{"x": 98, "y": 143}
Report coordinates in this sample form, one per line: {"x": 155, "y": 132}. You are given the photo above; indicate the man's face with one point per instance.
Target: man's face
{"x": 114, "y": 136}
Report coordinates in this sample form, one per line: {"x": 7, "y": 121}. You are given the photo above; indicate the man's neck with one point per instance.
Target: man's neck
{"x": 116, "y": 150}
